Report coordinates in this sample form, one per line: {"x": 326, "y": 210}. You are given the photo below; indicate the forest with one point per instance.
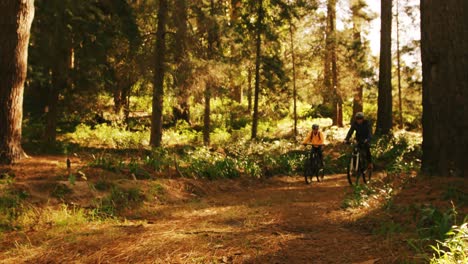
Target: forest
{"x": 172, "y": 131}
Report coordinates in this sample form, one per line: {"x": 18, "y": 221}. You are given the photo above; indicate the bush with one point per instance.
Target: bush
{"x": 118, "y": 200}
{"x": 211, "y": 165}
{"x": 454, "y": 249}
{"x": 108, "y": 136}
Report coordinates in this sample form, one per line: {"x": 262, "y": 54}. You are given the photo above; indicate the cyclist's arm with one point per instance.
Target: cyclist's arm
{"x": 350, "y": 132}
{"x": 321, "y": 139}
{"x": 307, "y": 139}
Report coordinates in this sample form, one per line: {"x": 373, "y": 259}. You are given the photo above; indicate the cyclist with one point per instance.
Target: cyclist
{"x": 316, "y": 139}
{"x": 363, "y": 134}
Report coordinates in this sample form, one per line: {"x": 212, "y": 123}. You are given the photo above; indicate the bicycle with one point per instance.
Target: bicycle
{"x": 313, "y": 166}
{"x": 358, "y": 165}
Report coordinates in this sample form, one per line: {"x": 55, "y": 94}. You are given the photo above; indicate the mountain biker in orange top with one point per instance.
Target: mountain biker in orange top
{"x": 316, "y": 139}
{"x": 363, "y": 134}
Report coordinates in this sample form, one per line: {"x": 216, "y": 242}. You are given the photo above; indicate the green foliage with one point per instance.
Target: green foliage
{"x": 60, "y": 191}
{"x": 211, "y": 165}
{"x": 358, "y": 197}
{"x": 456, "y": 193}
{"x": 10, "y": 207}
{"x": 434, "y": 224}
{"x": 108, "y": 136}
{"x": 107, "y": 162}
{"x": 400, "y": 154}
{"x": 159, "y": 159}
{"x": 454, "y": 249}
{"x": 119, "y": 199}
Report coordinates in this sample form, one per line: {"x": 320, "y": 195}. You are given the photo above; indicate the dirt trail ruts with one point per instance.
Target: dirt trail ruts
{"x": 278, "y": 220}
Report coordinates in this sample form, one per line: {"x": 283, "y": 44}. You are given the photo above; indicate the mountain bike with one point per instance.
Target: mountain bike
{"x": 358, "y": 166}
{"x": 313, "y": 166}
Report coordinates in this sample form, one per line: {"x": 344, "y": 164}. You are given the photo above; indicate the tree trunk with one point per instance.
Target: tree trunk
{"x": 327, "y": 83}
{"x": 158, "y": 84}
{"x": 337, "y": 109}
{"x": 237, "y": 91}
{"x": 249, "y": 90}
{"x": 293, "y": 57}
{"x": 400, "y": 107}
{"x": 213, "y": 39}
{"x": 15, "y": 24}
{"x": 444, "y": 48}
{"x": 207, "y": 115}
{"x": 182, "y": 71}
{"x": 358, "y": 60}
{"x": 257, "y": 69}
{"x": 384, "y": 113}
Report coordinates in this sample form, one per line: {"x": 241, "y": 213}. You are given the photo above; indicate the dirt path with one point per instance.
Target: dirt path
{"x": 280, "y": 220}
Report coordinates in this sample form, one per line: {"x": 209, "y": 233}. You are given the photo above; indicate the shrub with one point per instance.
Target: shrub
{"x": 454, "y": 249}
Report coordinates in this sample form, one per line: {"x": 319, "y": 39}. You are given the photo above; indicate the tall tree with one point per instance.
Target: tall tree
{"x": 181, "y": 110}
{"x": 258, "y": 45}
{"x": 16, "y": 17}
{"x": 158, "y": 82}
{"x": 444, "y": 42}
{"x": 384, "y": 113}
{"x": 398, "y": 50}
{"x": 359, "y": 54}
{"x": 332, "y": 95}
{"x": 293, "y": 61}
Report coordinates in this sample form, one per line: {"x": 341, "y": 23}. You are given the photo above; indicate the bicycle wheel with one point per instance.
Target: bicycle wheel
{"x": 308, "y": 173}
{"x": 367, "y": 174}
{"x": 320, "y": 174}
{"x": 351, "y": 173}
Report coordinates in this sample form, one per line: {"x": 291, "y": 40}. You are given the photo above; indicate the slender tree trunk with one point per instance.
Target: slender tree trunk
{"x": 327, "y": 79}
{"x": 213, "y": 43}
{"x": 237, "y": 91}
{"x": 444, "y": 49}
{"x": 400, "y": 107}
{"x": 249, "y": 90}
{"x": 358, "y": 58}
{"x": 16, "y": 17}
{"x": 257, "y": 69}
{"x": 207, "y": 115}
{"x": 60, "y": 80}
{"x": 337, "y": 102}
{"x": 384, "y": 113}
{"x": 182, "y": 71}
{"x": 293, "y": 57}
{"x": 158, "y": 84}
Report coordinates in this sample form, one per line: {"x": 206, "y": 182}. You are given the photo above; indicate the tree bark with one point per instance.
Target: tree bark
{"x": 158, "y": 82}
{"x": 249, "y": 90}
{"x": 182, "y": 70}
{"x": 331, "y": 68}
{"x": 327, "y": 83}
{"x": 293, "y": 58}
{"x": 257, "y": 69}
{"x": 400, "y": 105}
{"x": 384, "y": 113}
{"x": 358, "y": 58}
{"x": 444, "y": 47}
{"x": 207, "y": 115}
{"x": 16, "y": 17}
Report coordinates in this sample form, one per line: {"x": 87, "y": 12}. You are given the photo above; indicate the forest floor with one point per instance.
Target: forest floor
{"x": 275, "y": 220}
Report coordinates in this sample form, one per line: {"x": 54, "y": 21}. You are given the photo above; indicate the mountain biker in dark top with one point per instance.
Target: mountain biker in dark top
{"x": 363, "y": 134}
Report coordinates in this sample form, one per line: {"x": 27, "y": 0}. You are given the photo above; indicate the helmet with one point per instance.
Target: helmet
{"x": 315, "y": 126}
{"x": 359, "y": 115}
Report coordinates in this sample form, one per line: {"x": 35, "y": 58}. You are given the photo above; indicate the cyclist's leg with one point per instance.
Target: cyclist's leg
{"x": 320, "y": 154}
{"x": 368, "y": 155}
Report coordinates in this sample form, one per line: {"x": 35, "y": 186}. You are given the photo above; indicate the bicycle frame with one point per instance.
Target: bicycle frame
{"x": 357, "y": 165}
